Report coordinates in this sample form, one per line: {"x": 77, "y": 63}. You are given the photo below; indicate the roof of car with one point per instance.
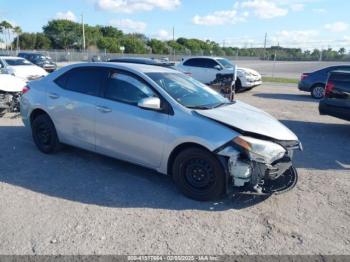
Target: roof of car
{"x": 208, "y": 57}
{"x": 143, "y": 68}
{"x": 11, "y": 57}
{"x": 143, "y": 60}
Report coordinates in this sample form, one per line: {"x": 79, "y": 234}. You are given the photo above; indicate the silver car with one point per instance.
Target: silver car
{"x": 162, "y": 119}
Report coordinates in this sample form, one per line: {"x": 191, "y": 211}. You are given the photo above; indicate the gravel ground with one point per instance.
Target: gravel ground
{"x": 285, "y": 69}
{"x": 77, "y": 202}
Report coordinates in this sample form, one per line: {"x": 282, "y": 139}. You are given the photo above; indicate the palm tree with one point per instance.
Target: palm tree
{"x": 18, "y": 32}
{"x": 5, "y": 25}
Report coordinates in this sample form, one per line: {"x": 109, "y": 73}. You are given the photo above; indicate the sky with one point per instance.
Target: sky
{"x": 305, "y": 24}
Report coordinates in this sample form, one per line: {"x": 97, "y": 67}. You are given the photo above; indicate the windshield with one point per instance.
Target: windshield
{"x": 42, "y": 58}
{"x": 17, "y": 62}
{"x": 226, "y": 63}
{"x": 188, "y": 91}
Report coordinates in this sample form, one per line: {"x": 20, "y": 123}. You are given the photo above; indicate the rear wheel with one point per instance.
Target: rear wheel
{"x": 238, "y": 85}
{"x": 317, "y": 92}
{"x": 199, "y": 175}
{"x": 44, "y": 134}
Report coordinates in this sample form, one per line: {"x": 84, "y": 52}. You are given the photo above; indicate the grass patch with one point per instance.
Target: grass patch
{"x": 280, "y": 80}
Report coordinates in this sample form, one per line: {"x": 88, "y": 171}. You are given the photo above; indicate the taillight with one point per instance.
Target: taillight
{"x": 188, "y": 73}
{"x": 329, "y": 88}
{"x": 25, "y": 89}
{"x": 303, "y": 76}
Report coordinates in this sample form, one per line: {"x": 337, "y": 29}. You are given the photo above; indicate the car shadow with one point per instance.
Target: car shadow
{"x": 326, "y": 146}
{"x": 289, "y": 97}
{"x": 85, "y": 177}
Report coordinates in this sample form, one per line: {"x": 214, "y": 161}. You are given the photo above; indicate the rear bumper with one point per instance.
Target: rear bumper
{"x": 331, "y": 110}
{"x": 302, "y": 86}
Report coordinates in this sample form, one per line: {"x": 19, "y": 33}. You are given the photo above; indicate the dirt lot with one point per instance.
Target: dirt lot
{"x": 77, "y": 202}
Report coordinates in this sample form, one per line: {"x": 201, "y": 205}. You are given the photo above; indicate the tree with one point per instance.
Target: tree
{"x": 63, "y": 34}
{"x": 133, "y": 45}
{"x": 109, "y": 44}
{"x": 110, "y": 31}
{"x": 42, "y": 41}
{"x": 18, "y": 32}
{"x": 159, "y": 47}
{"x": 7, "y": 27}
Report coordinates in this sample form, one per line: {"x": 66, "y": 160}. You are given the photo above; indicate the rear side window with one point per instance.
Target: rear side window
{"x": 87, "y": 80}
{"x": 192, "y": 62}
{"x": 340, "y": 77}
{"x": 126, "y": 88}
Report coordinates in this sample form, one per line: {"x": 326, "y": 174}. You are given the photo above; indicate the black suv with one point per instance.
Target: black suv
{"x": 39, "y": 60}
{"x": 315, "y": 82}
{"x": 337, "y": 96}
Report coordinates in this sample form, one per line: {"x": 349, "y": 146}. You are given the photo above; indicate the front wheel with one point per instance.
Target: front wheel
{"x": 199, "y": 174}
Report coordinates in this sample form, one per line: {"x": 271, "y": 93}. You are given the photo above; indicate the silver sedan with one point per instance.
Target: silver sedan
{"x": 162, "y": 119}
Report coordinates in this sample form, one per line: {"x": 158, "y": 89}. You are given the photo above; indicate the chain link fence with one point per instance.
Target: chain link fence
{"x": 77, "y": 56}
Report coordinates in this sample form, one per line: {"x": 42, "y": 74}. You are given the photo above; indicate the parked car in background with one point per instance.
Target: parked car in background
{"x": 39, "y": 59}
{"x": 21, "y": 68}
{"x": 337, "y": 96}
{"x": 143, "y": 60}
{"x": 209, "y": 70}
{"x": 247, "y": 79}
{"x": 162, "y": 119}
{"x": 315, "y": 82}
{"x": 10, "y": 92}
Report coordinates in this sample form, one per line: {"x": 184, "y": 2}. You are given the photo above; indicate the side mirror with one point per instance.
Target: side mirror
{"x": 151, "y": 103}
{"x": 217, "y": 67}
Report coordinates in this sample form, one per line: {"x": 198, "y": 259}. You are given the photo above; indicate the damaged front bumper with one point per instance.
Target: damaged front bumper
{"x": 256, "y": 177}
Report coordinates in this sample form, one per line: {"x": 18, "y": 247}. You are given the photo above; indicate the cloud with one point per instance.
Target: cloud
{"x": 296, "y": 38}
{"x": 131, "y": 6}
{"x": 319, "y": 10}
{"x": 129, "y": 25}
{"x": 297, "y": 7}
{"x": 219, "y": 18}
{"x": 163, "y": 35}
{"x": 337, "y": 27}
{"x": 69, "y": 15}
{"x": 265, "y": 9}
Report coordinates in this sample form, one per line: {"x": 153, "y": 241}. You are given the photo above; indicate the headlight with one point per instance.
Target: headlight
{"x": 260, "y": 150}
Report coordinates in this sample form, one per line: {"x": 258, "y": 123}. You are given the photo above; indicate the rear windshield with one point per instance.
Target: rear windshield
{"x": 17, "y": 62}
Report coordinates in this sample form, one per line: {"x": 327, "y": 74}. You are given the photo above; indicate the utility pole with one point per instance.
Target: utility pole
{"x": 82, "y": 22}
{"x": 174, "y": 43}
{"x": 265, "y": 42}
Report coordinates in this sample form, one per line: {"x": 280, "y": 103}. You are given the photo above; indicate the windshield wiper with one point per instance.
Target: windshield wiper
{"x": 222, "y": 104}
{"x": 199, "y": 107}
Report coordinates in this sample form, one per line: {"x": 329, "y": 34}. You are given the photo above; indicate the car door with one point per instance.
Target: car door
{"x": 193, "y": 66}
{"x": 125, "y": 131}
{"x": 210, "y": 69}
{"x": 71, "y": 102}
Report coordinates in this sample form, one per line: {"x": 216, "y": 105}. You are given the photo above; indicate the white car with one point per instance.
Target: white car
{"x": 208, "y": 70}
{"x": 21, "y": 68}
{"x": 10, "y": 92}
{"x": 247, "y": 78}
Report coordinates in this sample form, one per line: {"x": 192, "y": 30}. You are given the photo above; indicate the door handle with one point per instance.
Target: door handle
{"x": 54, "y": 96}
{"x": 103, "y": 109}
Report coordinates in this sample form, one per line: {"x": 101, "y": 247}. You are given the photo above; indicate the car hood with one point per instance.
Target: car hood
{"x": 28, "y": 71}
{"x": 249, "y": 119}
{"x": 248, "y": 70}
{"x": 9, "y": 83}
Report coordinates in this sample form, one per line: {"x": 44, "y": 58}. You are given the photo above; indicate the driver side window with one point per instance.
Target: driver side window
{"x": 125, "y": 88}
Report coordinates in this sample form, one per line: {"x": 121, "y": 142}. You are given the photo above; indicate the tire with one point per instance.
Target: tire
{"x": 317, "y": 91}
{"x": 45, "y": 135}
{"x": 238, "y": 85}
{"x": 199, "y": 175}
